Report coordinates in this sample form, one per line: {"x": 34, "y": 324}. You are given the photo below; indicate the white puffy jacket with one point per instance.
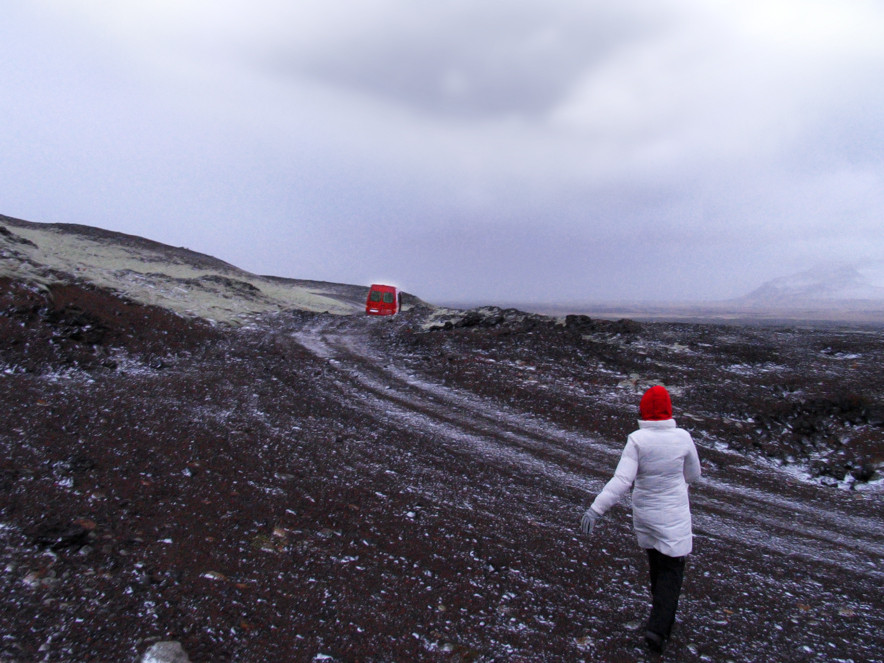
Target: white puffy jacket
{"x": 661, "y": 460}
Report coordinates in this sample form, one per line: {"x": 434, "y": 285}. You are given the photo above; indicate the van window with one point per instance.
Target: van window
{"x": 388, "y": 298}
{"x": 375, "y": 296}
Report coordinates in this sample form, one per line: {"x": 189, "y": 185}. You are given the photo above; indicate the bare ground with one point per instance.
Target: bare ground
{"x": 311, "y": 487}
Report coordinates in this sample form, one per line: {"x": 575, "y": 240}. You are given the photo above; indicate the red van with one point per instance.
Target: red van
{"x": 383, "y": 300}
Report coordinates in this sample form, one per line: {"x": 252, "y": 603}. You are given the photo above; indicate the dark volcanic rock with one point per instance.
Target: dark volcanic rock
{"x": 581, "y": 324}
{"x": 864, "y": 472}
{"x": 13, "y": 238}
{"x": 74, "y": 323}
{"x": 58, "y": 536}
{"x": 311, "y": 487}
{"x": 624, "y": 326}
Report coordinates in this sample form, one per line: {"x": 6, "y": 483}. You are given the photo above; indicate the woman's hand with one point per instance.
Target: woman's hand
{"x": 590, "y": 518}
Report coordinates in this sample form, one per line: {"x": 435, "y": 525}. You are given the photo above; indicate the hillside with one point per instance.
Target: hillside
{"x": 151, "y": 273}
{"x": 312, "y": 486}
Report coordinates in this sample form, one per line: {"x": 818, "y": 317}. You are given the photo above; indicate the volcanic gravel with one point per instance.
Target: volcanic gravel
{"x": 309, "y": 487}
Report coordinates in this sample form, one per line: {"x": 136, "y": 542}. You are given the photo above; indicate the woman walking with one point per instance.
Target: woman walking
{"x": 658, "y": 463}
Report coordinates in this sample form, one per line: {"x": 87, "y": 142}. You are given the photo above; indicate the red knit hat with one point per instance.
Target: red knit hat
{"x": 656, "y": 405}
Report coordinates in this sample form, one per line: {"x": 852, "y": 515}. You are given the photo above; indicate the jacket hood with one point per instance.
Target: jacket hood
{"x": 656, "y": 404}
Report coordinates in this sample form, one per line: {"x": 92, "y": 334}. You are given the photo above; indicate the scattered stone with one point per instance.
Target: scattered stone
{"x": 76, "y": 324}
{"x": 40, "y": 579}
{"x": 86, "y": 523}
{"x": 626, "y": 326}
{"x": 58, "y": 536}
{"x": 268, "y": 544}
{"x": 581, "y": 324}
{"x": 459, "y": 652}
{"x": 78, "y": 464}
{"x": 166, "y": 652}
{"x": 583, "y": 642}
{"x": 863, "y": 472}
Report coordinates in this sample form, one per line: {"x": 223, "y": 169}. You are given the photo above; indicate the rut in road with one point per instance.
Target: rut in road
{"x": 490, "y": 431}
{"x": 723, "y": 510}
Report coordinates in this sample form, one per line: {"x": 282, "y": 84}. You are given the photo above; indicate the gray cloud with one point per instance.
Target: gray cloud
{"x": 582, "y": 149}
{"x": 468, "y": 60}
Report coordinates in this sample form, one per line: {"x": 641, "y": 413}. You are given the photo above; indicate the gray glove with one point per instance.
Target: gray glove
{"x": 590, "y": 518}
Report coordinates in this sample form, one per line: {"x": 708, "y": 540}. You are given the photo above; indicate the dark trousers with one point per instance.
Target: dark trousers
{"x": 667, "y": 574}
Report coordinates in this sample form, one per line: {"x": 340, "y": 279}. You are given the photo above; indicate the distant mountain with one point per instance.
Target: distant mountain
{"x": 829, "y": 284}
{"x": 184, "y": 281}
{"x": 824, "y": 295}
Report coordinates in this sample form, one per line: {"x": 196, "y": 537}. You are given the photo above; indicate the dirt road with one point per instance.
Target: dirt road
{"x": 782, "y": 570}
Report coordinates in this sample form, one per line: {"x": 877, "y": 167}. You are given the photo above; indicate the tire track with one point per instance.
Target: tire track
{"x": 494, "y": 434}
{"x": 723, "y": 511}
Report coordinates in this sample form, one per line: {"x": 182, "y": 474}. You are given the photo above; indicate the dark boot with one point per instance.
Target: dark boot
{"x": 655, "y": 641}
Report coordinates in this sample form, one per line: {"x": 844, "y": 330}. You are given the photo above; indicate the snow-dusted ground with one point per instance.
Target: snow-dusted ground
{"x": 301, "y": 486}
{"x": 733, "y": 511}
{"x": 752, "y": 518}
{"x": 146, "y": 272}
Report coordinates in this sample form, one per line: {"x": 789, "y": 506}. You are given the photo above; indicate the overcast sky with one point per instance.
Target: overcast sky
{"x": 468, "y": 151}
